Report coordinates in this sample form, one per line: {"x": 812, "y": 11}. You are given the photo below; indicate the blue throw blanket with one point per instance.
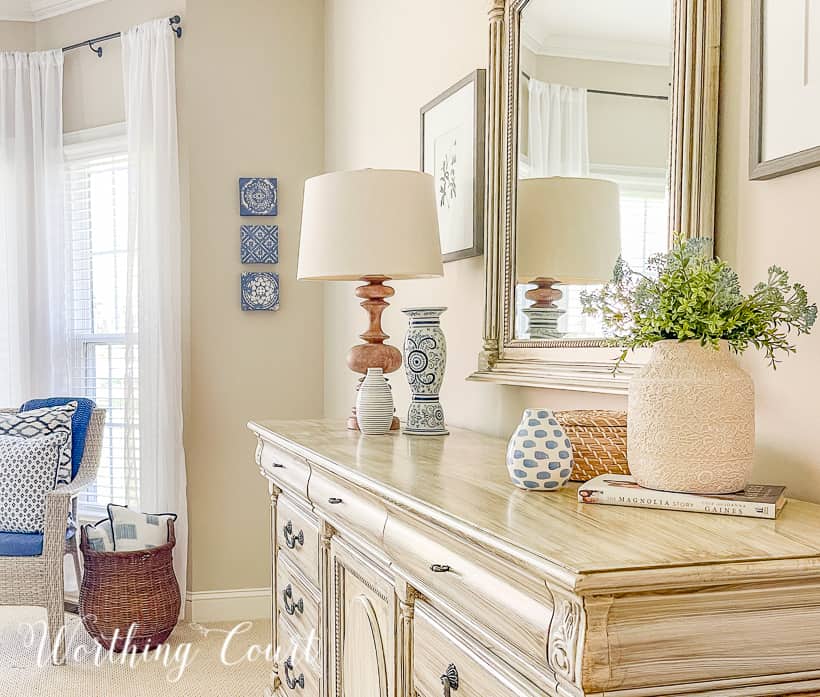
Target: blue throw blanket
{"x": 79, "y": 423}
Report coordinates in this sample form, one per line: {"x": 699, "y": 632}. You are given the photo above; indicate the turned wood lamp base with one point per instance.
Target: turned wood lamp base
{"x": 374, "y": 353}
{"x": 544, "y": 314}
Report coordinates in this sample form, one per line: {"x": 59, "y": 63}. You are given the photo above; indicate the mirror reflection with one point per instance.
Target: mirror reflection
{"x": 593, "y": 133}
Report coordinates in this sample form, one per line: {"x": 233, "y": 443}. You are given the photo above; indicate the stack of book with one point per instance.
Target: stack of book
{"x": 756, "y": 501}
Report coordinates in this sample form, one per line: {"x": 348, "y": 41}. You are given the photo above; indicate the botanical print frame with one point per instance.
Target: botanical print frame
{"x": 452, "y": 133}
{"x": 782, "y": 34}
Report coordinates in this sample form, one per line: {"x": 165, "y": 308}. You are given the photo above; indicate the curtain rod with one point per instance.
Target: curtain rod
{"x": 173, "y": 21}
{"x": 634, "y": 95}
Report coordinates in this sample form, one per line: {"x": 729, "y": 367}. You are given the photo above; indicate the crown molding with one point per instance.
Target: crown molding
{"x": 37, "y": 10}
{"x": 610, "y": 50}
{"x": 44, "y": 9}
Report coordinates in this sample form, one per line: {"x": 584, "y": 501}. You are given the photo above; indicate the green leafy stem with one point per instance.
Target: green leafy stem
{"x": 688, "y": 295}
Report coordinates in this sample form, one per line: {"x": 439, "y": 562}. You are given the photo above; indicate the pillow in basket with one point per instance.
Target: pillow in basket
{"x": 100, "y": 536}
{"x": 134, "y": 530}
{"x": 28, "y": 471}
{"x": 42, "y": 422}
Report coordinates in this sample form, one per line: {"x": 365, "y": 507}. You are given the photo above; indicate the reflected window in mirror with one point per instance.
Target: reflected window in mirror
{"x": 593, "y": 148}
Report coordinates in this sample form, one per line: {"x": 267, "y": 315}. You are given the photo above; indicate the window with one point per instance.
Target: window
{"x": 97, "y": 224}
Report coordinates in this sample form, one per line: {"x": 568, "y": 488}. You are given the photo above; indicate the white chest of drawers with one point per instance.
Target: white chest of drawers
{"x": 409, "y": 567}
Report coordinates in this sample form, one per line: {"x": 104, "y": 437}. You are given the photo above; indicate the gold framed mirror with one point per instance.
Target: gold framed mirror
{"x": 601, "y": 140}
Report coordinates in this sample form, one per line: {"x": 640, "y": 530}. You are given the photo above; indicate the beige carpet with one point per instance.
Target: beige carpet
{"x": 197, "y": 645}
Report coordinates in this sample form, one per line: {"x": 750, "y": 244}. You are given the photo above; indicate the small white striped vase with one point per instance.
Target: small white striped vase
{"x": 374, "y": 404}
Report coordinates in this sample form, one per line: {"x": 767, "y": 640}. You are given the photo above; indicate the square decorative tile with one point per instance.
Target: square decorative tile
{"x": 258, "y": 196}
{"x": 260, "y": 291}
{"x": 259, "y": 244}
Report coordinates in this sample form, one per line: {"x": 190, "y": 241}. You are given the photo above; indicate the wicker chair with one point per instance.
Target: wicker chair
{"x": 38, "y": 580}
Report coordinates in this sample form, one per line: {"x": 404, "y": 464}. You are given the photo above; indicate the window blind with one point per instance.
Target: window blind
{"x": 97, "y": 222}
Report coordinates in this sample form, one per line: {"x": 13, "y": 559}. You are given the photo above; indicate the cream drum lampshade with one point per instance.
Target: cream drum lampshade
{"x": 369, "y": 222}
{"x": 371, "y": 225}
{"x": 569, "y": 229}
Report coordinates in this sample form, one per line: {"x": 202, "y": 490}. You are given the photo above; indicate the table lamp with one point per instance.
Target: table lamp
{"x": 370, "y": 225}
{"x": 569, "y": 232}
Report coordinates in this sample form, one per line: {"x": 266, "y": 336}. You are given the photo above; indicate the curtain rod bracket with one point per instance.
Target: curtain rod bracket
{"x": 174, "y": 21}
{"x": 98, "y": 50}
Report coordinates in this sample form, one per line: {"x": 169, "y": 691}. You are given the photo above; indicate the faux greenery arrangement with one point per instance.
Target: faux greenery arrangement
{"x": 686, "y": 294}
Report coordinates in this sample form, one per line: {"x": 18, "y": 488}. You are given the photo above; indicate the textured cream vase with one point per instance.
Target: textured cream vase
{"x": 691, "y": 421}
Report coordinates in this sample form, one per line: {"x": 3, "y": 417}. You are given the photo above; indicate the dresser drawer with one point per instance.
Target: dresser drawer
{"x": 287, "y": 471}
{"x": 299, "y": 661}
{"x": 295, "y": 600}
{"x": 346, "y": 507}
{"x": 514, "y": 606}
{"x": 439, "y": 649}
{"x": 297, "y": 537}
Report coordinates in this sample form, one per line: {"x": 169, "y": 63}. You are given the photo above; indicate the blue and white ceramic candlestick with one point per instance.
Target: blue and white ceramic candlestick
{"x": 539, "y": 456}
{"x": 425, "y": 357}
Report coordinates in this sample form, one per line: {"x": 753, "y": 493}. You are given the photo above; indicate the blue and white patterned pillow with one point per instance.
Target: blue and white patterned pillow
{"x": 134, "y": 530}
{"x": 28, "y": 471}
{"x": 100, "y": 536}
{"x": 42, "y": 422}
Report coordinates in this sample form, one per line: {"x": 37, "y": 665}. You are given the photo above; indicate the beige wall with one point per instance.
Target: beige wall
{"x": 759, "y": 224}
{"x": 383, "y": 61}
{"x": 17, "y": 36}
{"x": 254, "y": 106}
{"x": 250, "y": 97}
{"x": 622, "y": 131}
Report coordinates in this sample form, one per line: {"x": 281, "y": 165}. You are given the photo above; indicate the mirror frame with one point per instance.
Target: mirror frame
{"x": 586, "y": 364}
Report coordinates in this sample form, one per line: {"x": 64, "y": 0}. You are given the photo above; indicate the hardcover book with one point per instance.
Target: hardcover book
{"x": 756, "y": 501}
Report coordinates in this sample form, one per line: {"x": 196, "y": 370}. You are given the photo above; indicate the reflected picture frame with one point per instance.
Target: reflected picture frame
{"x": 761, "y": 168}
{"x": 453, "y": 123}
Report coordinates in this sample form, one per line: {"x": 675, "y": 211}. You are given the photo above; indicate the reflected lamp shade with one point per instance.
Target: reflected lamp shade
{"x": 569, "y": 229}
{"x": 369, "y": 222}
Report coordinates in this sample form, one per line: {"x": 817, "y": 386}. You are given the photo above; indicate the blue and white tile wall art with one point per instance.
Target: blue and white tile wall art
{"x": 260, "y": 291}
{"x": 259, "y": 244}
{"x": 258, "y": 196}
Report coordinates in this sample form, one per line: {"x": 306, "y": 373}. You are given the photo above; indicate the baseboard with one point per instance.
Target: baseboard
{"x": 228, "y": 605}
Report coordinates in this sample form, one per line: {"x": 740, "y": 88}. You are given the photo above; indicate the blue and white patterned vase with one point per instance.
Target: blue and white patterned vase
{"x": 539, "y": 456}
{"x": 374, "y": 404}
{"x": 425, "y": 357}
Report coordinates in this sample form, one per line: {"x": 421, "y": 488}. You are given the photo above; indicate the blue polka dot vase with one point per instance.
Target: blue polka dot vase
{"x": 539, "y": 457}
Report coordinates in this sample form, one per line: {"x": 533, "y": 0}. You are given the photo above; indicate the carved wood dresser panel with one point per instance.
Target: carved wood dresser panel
{"x": 409, "y": 566}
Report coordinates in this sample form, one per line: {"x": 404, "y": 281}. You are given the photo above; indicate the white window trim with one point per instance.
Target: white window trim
{"x": 103, "y": 140}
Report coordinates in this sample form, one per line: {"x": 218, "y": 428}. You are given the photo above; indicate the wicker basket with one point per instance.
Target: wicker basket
{"x": 598, "y": 442}
{"x": 121, "y": 589}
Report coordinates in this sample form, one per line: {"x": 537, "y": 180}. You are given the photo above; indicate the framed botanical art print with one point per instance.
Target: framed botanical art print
{"x": 785, "y": 98}
{"x": 452, "y": 150}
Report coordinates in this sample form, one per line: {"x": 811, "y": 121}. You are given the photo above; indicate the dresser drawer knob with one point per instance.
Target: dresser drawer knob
{"x": 450, "y": 679}
{"x": 292, "y": 607}
{"x": 292, "y": 682}
{"x": 334, "y": 500}
{"x": 278, "y": 465}
{"x": 440, "y": 568}
{"x": 291, "y": 540}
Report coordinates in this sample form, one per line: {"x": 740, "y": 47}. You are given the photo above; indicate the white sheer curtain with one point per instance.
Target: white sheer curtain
{"x": 154, "y": 294}
{"x": 33, "y": 263}
{"x": 558, "y": 131}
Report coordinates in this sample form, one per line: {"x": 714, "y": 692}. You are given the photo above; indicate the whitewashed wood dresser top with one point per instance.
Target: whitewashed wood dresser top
{"x": 410, "y": 566}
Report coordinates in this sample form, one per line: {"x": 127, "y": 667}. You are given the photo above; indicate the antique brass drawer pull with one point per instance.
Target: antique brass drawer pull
{"x": 290, "y": 539}
{"x": 292, "y": 607}
{"x": 291, "y": 681}
{"x": 440, "y": 568}
{"x": 450, "y": 680}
